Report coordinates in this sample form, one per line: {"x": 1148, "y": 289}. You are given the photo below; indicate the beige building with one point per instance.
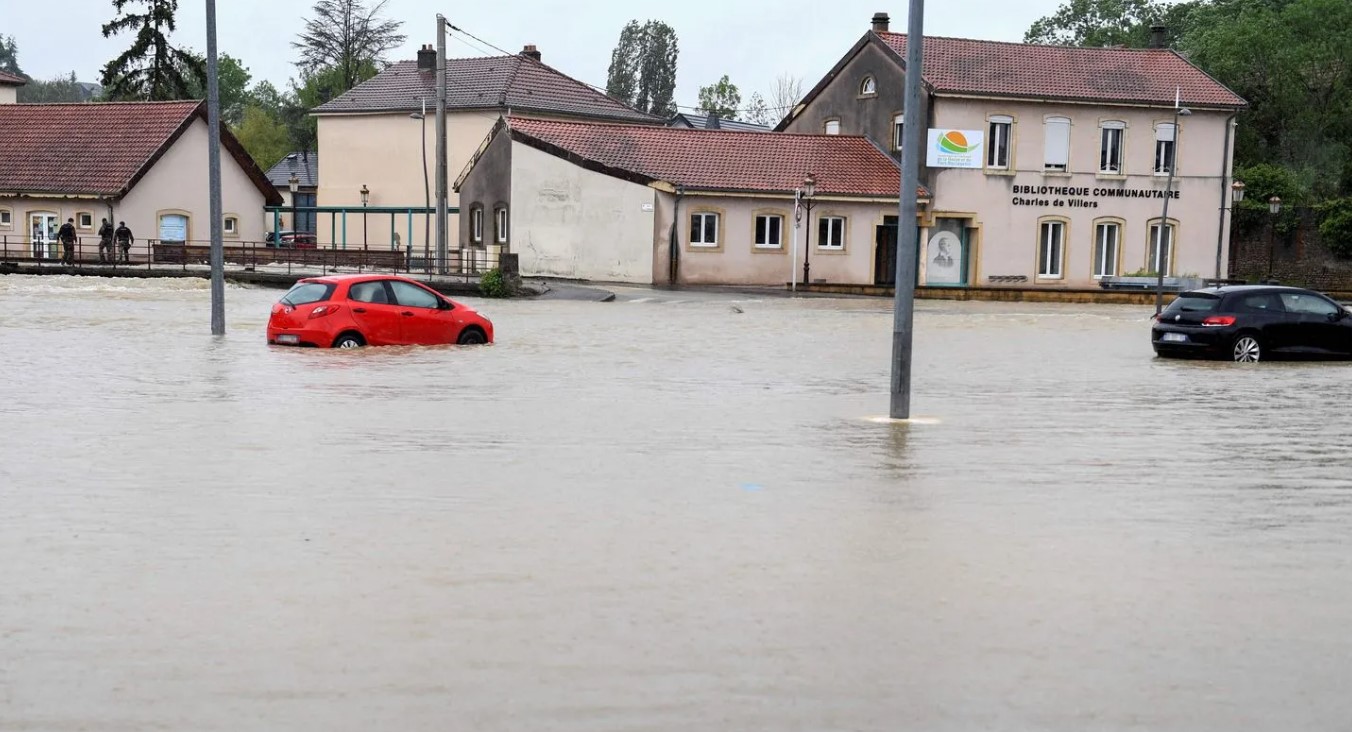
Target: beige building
{"x": 9, "y": 87}
{"x": 381, "y": 135}
{"x": 1049, "y": 165}
{"x": 142, "y": 163}
{"x": 645, "y": 205}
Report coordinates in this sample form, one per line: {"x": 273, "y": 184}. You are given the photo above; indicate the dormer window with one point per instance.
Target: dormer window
{"x": 869, "y": 87}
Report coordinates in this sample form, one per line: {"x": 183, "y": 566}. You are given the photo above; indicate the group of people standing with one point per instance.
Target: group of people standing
{"x": 108, "y": 238}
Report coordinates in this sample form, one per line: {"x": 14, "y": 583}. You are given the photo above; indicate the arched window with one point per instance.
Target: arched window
{"x": 868, "y": 87}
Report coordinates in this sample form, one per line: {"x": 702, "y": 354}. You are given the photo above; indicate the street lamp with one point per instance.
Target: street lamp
{"x": 1237, "y": 191}
{"x": 1274, "y": 208}
{"x": 809, "y": 190}
{"x": 427, "y": 194}
{"x": 293, "y": 184}
{"x": 1161, "y": 263}
{"x": 365, "y": 198}
{"x": 1236, "y": 196}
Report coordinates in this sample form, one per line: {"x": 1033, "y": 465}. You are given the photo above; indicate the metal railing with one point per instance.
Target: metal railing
{"x": 154, "y": 254}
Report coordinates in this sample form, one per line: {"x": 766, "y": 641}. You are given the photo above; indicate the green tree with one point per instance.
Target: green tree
{"x": 312, "y": 90}
{"x": 151, "y": 69}
{"x": 232, "y": 84}
{"x": 758, "y": 112}
{"x": 9, "y": 56}
{"x": 1097, "y": 23}
{"x": 62, "y": 89}
{"x": 721, "y": 99}
{"x": 346, "y": 36}
{"x": 643, "y": 67}
{"x": 264, "y": 135}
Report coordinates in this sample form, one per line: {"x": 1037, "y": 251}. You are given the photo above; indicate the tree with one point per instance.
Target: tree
{"x": 721, "y": 99}
{"x": 151, "y": 69}
{"x": 643, "y": 67}
{"x": 264, "y": 135}
{"x": 62, "y": 89}
{"x": 758, "y": 112}
{"x": 345, "y": 35}
{"x": 787, "y": 92}
{"x": 9, "y": 56}
{"x": 312, "y": 90}
{"x": 232, "y": 85}
{"x": 1097, "y": 23}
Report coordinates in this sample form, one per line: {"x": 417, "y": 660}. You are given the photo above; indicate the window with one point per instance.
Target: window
{"x": 6, "y": 218}
{"x": 476, "y": 225}
{"x": 1110, "y": 147}
{"x": 1257, "y": 304}
{"x": 704, "y": 230}
{"x": 869, "y": 87}
{"x": 84, "y": 220}
{"x": 831, "y": 232}
{"x": 231, "y": 225}
{"x": 1296, "y": 302}
{"x": 1056, "y": 150}
{"x": 898, "y": 128}
{"x": 1051, "y": 249}
{"x": 1161, "y": 248}
{"x": 997, "y": 147}
{"x": 1165, "y": 148}
{"x": 304, "y": 293}
{"x": 412, "y": 296}
{"x": 769, "y": 231}
{"x": 1107, "y": 237}
{"x": 173, "y": 228}
{"x": 833, "y": 127}
{"x": 372, "y": 292}
{"x": 500, "y": 224}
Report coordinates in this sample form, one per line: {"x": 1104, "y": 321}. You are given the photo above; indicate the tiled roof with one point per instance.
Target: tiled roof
{"x": 305, "y": 166}
{"x": 499, "y": 82}
{"x": 723, "y": 161}
{"x": 8, "y": 79}
{"x": 1124, "y": 75}
{"x": 97, "y": 149}
{"x": 707, "y": 122}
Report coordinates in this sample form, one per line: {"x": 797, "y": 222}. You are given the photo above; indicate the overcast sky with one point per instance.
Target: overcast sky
{"x": 752, "y": 42}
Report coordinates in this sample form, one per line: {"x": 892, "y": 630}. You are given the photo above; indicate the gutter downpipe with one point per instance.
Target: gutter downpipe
{"x": 673, "y": 266}
{"x": 1227, "y": 169}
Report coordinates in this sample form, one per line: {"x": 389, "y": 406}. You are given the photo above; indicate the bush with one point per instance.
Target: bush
{"x": 494, "y": 284}
{"x": 1335, "y": 226}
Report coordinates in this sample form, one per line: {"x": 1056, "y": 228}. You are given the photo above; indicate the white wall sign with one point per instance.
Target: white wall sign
{"x": 955, "y": 148}
{"x": 647, "y": 208}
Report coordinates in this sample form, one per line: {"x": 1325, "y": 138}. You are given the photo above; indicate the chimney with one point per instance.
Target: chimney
{"x": 531, "y": 51}
{"x": 1157, "y": 36}
{"x": 881, "y": 22}
{"x": 427, "y": 58}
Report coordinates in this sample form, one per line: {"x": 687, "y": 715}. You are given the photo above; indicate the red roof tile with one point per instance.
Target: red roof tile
{"x": 97, "y": 149}
{"x": 723, "y": 160}
{"x": 1124, "y": 75}
{"x": 8, "y": 79}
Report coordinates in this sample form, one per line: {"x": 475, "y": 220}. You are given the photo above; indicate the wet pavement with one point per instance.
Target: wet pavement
{"x": 666, "y": 512}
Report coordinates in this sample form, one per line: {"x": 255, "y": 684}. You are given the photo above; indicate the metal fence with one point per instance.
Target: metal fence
{"x": 240, "y": 255}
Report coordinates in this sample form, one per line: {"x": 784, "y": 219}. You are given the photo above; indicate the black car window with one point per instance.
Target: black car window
{"x": 1263, "y": 302}
{"x": 412, "y": 296}
{"x": 304, "y": 293}
{"x": 1194, "y": 303}
{"x": 1308, "y": 304}
{"x": 372, "y": 292}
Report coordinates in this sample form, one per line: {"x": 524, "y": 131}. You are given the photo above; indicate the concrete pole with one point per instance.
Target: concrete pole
{"x": 908, "y": 235}
{"x": 441, "y": 145}
{"x": 214, "y": 175}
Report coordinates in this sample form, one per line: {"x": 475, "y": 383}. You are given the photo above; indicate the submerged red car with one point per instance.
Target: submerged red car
{"x": 351, "y": 311}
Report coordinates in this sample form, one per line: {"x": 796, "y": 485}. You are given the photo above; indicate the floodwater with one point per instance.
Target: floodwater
{"x": 661, "y": 513}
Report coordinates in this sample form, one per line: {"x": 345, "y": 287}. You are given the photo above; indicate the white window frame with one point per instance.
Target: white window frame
{"x": 1166, "y": 146}
{"x": 1056, "y": 145}
{"x": 1152, "y": 252}
{"x": 704, "y": 216}
{"x": 831, "y": 126}
{"x": 1112, "y": 143}
{"x": 1106, "y": 266}
{"x": 1000, "y": 139}
{"x": 1051, "y": 260}
{"x": 500, "y": 224}
{"x": 868, "y": 87}
{"x": 230, "y": 225}
{"x": 898, "y": 130}
{"x": 834, "y": 239}
{"x": 6, "y": 217}
{"x": 779, "y": 232}
{"x": 476, "y": 225}
{"x": 80, "y": 220}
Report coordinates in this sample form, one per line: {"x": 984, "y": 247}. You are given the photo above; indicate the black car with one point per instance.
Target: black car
{"x": 1253, "y": 323}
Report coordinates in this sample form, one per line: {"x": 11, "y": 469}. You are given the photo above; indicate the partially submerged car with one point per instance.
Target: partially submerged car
{"x": 351, "y": 311}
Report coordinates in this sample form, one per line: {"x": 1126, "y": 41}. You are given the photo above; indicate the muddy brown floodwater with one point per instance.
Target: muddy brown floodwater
{"x": 661, "y": 514}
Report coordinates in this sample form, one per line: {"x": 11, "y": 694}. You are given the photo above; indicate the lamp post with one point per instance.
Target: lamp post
{"x": 1274, "y": 208}
{"x": 1161, "y": 264}
{"x": 293, "y": 184}
{"x": 427, "y": 195}
{"x": 809, "y": 190}
{"x": 365, "y": 198}
{"x": 1236, "y": 196}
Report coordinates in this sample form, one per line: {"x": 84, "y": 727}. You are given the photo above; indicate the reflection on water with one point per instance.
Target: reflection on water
{"x": 664, "y": 514}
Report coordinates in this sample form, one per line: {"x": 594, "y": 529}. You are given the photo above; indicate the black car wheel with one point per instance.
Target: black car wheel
{"x": 348, "y": 340}
{"x": 471, "y": 337}
{"x": 1247, "y": 349}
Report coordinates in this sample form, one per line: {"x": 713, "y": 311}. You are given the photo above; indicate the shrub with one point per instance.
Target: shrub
{"x": 1335, "y": 226}
{"x": 494, "y": 284}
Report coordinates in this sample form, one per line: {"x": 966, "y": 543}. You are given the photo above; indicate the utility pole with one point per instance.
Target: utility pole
{"x": 214, "y": 176}
{"x": 441, "y": 145}
{"x": 908, "y": 234}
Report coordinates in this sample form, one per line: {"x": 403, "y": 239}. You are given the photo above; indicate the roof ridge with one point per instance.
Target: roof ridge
{"x": 511, "y": 120}
{"x": 161, "y": 102}
{"x": 582, "y": 84}
{"x": 1024, "y": 43}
